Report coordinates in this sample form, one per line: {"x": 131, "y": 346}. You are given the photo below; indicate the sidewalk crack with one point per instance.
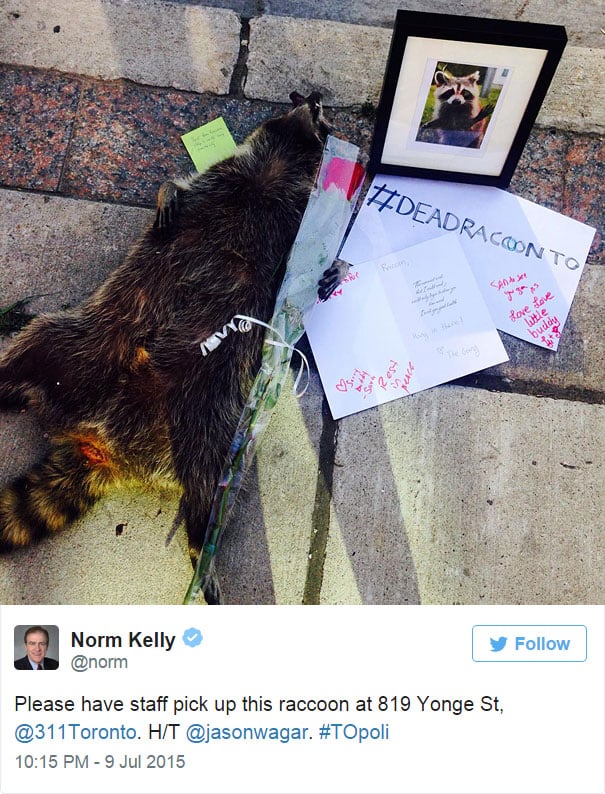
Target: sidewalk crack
{"x": 240, "y": 70}
{"x": 320, "y": 521}
{"x": 83, "y": 84}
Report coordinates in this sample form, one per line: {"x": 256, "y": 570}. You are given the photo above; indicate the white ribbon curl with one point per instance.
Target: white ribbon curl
{"x": 244, "y": 325}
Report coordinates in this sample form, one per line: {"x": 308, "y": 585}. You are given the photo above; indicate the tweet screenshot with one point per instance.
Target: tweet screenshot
{"x": 344, "y": 699}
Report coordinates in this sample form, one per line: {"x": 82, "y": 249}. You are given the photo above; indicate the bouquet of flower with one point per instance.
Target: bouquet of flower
{"x": 321, "y": 231}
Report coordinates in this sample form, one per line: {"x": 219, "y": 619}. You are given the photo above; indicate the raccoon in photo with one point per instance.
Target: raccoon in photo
{"x": 120, "y": 384}
{"x": 459, "y": 119}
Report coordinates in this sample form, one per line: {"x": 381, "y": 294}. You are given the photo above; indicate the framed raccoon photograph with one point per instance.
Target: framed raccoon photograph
{"x": 460, "y": 96}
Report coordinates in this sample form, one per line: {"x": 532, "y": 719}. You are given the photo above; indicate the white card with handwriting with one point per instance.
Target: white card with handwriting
{"x": 401, "y": 323}
{"x": 527, "y": 259}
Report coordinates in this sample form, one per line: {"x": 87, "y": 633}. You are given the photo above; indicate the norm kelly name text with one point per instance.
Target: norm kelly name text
{"x": 135, "y": 639}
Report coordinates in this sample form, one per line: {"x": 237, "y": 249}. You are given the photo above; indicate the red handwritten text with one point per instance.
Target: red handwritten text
{"x": 535, "y": 315}
{"x": 364, "y": 383}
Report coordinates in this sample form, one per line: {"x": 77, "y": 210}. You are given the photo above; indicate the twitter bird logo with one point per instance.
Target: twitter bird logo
{"x": 498, "y": 645}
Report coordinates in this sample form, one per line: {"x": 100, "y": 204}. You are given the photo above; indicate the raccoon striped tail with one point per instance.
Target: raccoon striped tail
{"x": 76, "y": 473}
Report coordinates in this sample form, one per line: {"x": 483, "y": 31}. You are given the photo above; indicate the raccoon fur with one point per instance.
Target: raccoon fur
{"x": 120, "y": 383}
{"x": 459, "y": 118}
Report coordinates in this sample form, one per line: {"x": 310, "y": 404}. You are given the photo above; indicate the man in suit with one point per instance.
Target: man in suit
{"x": 36, "y": 641}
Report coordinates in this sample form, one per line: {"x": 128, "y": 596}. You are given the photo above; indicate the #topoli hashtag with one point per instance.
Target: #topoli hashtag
{"x": 349, "y": 731}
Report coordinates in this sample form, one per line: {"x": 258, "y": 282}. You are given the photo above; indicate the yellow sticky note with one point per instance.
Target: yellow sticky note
{"x": 209, "y": 143}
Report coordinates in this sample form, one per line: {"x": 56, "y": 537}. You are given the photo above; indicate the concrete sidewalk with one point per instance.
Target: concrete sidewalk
{"x": 487, "y": 492}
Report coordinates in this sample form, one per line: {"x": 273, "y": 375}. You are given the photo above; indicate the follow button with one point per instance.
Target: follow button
{"x": 530, "y": 643}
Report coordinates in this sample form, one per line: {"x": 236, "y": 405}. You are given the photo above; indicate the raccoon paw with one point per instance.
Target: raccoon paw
{"x": 331, "y": 278}
{"x": 212, "y": 590}
{"x": 14, "y": 396}
{"x": 167, "y": 206}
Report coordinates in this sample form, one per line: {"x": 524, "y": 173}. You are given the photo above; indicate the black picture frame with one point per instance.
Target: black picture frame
{"x": 470, "y": 122}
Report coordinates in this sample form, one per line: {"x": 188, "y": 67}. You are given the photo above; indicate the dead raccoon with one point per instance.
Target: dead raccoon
{"x": 458, "y": 118}
{"x": 120, "y": 383}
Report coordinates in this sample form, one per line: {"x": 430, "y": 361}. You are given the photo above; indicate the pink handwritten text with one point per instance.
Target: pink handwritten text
{"x": 364, "y": 383}
{"x": 535, "y": 315}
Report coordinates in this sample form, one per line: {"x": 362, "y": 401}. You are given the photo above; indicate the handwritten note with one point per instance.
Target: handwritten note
{"x": 527, "y": 260}
{"x": 209, "y": 144}
{"x": 401, "y": 323}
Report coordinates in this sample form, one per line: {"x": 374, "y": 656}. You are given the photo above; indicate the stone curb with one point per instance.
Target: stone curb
{"x": 191, "y": 48}
{"x": 197, "y": 48}
{"x": 347, "y": 62}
